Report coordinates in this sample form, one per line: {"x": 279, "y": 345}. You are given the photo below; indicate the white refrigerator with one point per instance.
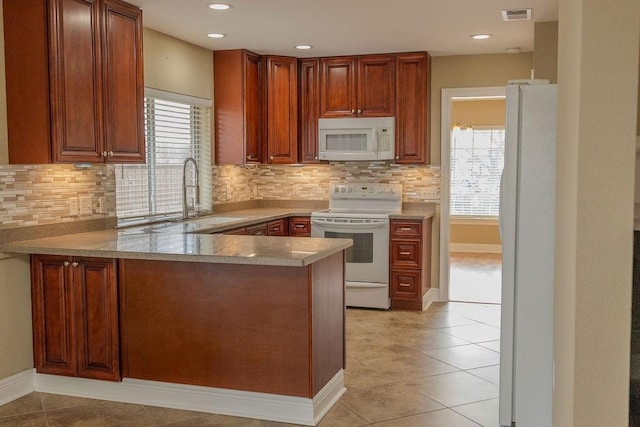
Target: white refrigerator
{"x": 527, "y": 223}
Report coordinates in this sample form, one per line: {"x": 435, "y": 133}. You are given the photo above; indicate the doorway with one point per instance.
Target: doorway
{"x": 472, "y": 131}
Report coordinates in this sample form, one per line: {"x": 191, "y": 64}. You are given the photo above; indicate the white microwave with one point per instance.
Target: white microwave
{"x": 356, "y": 139}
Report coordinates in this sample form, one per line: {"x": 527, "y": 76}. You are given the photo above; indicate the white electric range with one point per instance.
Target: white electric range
{"x": 360, "y": 211}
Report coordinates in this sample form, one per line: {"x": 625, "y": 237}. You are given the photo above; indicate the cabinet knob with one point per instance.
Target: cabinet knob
{"x": 74, "y": 264}
{"x": 66, "y": 263}
{"x": 359, "y": 111}
{"x": 104, "y": 154}
{"x": 397, "y": 157}
{"x": 110, "y": 153}
{"x": 315, "y": 158}
{"x": 270, "y": 157}
{"x": 353, "y": 111}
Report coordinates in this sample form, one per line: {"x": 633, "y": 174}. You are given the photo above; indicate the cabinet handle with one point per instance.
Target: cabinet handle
{"x": 299, "y": 225}
{"x": 405, "y": 229}
{"x": 404, "y": 285}
{"x": 275, "y": 229}
{"x": 250, "y": 157}
{"x": 74, "y": 264}
{"x": 405, "y": 253}
{"x": 66, "y": 263}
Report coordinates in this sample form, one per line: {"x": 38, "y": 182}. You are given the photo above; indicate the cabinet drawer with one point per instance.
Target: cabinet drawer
{"x": 406, "y": 228}
{"x": 257, "y": 230}
{"x": 236, "y": 231}
{"x": 405, "y": 253}
{"x": 278, "y": 227}
{"x": 405, "y": 284}
{"x": 300, "y": 226}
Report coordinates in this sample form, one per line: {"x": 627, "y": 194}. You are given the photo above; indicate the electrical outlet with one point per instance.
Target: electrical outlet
{"x": 102, "y": 205}
{"x": 430, "y": 193}
{"x": 85, "y": 204}
{"x": 73, "y": 206}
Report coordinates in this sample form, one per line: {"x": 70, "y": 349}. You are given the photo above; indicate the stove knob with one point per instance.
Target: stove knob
{"x": 343, "y": 189}
{"x": 336, "y": 190}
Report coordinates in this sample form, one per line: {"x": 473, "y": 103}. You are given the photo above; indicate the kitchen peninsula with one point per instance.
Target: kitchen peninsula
{"x": 238, "y": 325}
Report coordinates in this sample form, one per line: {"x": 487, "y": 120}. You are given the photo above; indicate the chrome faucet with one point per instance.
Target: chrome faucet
{"x": 195, "y": 206}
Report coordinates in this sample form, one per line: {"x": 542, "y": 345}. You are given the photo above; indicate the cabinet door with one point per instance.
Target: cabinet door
{"x": 376, "y": 86}
{"x": 405, "y": 284}
{"x": 53, "y": 315}
{"x": 123, "y": 83}
{"x": 309, "y": 107}
{"x": 279, "y": 227}
{"x": 338, "y": 87}
{"x": 412, "y": 106}
{"x": 253, "y": 107}
{"x": 76, "y": 81}
{"x": 97, "y": 318}
{"x": 282, "y": 109}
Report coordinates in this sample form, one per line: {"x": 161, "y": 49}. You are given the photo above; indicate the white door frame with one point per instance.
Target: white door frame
{"x": 448, "y": 96}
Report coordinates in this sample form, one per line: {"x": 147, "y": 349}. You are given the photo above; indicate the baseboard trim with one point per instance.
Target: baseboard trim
{"x": 272, "y": 407}
{"x": 430, "y": 297}
{"x": 475, "y": 248}
{"x": 16, "y": 386}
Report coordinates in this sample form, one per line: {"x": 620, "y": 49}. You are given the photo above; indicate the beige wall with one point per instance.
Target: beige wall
{"x": 177, "y": 66}
{"x": 480, "y": 112}
{"x": 16, "y": 354}
{"x": 597, "y": 99}
{"x": 484, "y": 233}
{"x": 471, "y": 71}
{"x": 545, "y": 55}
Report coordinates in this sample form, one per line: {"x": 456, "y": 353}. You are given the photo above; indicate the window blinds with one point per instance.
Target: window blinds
{"x": 176, "y": 127}
{"x": 477, "y": 159}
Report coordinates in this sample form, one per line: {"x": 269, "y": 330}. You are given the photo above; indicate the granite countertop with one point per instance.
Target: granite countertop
{"x": 216, "y": 248}
{"x": 197, "y": 240}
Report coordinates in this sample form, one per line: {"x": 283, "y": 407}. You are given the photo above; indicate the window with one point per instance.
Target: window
{"x": 176, "y": 127}
{"x": 477, "y": 159}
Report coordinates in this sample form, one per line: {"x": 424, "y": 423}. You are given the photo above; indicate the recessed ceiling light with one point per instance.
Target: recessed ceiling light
{"x": 480, "y": 36}
{"x": 216, "y": 35}
{"x": 304, "y": 46}
{"x": 219, "y": 6}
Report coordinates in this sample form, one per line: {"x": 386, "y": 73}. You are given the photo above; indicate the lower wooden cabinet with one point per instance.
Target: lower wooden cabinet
{"x": 75, "y": 316}
{"x": 409, "y": 258}
{"x": 300, "y": 226}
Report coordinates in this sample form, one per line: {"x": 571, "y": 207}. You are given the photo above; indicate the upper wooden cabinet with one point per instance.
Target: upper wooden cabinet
{"x": 238, "y": 106}
{"x": 308, "y": 109}
{"x": 282, "y": 109}
{"x": 74, "y": 81}
{"x": 361, "y": 86}
{"x": 412, "y": 107}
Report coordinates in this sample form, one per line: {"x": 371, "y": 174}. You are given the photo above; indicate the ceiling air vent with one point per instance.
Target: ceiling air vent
{"x": 516, "y": 14}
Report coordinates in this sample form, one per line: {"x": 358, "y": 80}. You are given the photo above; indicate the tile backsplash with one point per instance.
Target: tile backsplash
{"x": 311, "y": 182}
{"x": 43, "y": 194}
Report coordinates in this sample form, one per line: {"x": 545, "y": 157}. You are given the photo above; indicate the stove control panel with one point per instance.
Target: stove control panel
{"x": 365, "y": 191}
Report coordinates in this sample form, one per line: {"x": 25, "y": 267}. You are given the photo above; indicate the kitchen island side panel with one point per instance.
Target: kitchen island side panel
{"x": 242, "y": 327}
{"x": 328, "y": 319}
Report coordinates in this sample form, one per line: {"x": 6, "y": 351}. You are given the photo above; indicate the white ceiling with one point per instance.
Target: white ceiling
{"x": 345, "y": 27}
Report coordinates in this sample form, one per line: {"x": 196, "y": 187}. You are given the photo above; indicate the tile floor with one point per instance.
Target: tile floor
{"x": 475, "y": 277}
{"x": 433, "y": 369}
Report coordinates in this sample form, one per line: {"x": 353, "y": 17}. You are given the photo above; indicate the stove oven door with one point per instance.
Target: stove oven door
{"x": 367, "y": 261}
